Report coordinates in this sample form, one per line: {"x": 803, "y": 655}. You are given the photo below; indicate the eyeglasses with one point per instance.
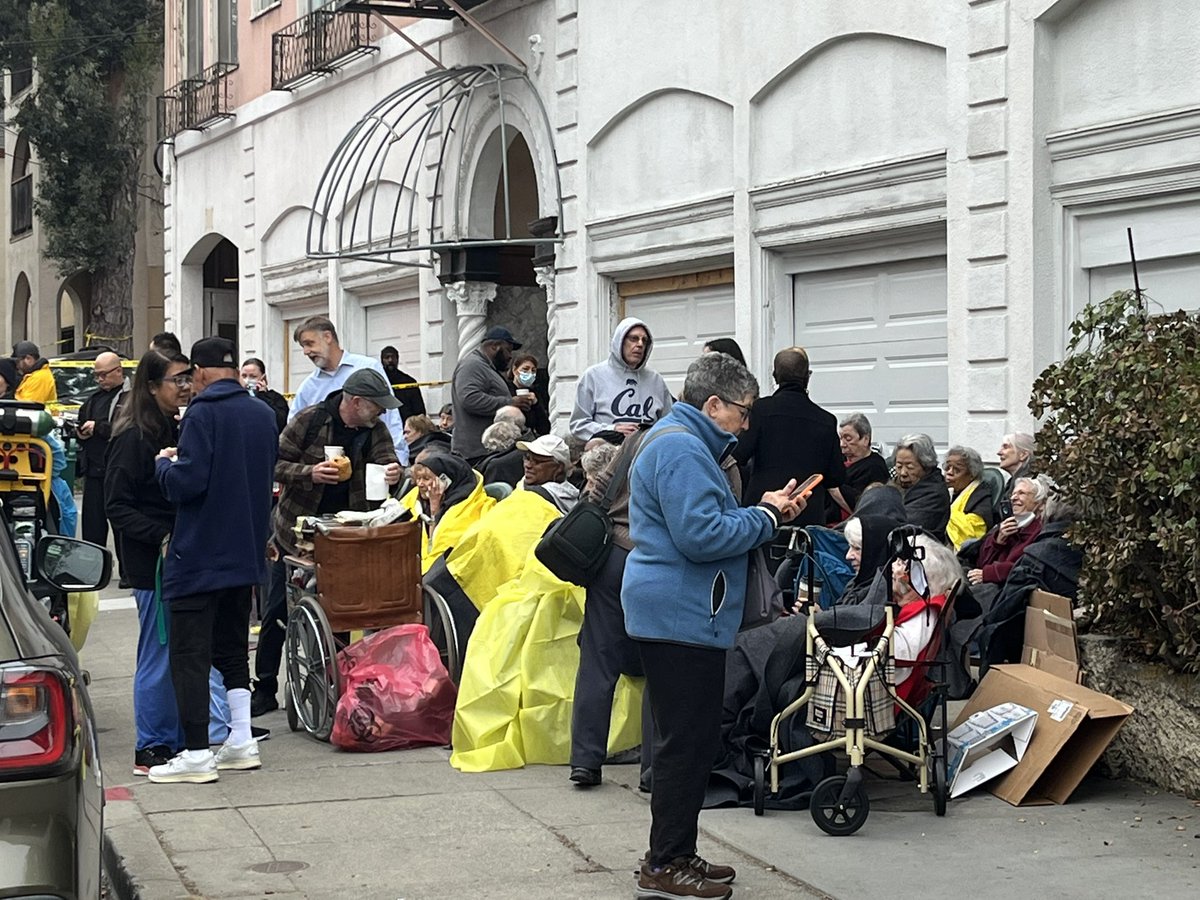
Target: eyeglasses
{"x": 100, "y": 373}
{"x": 636, "y": 339}
{"x": 535, "y": 459}
{"x": 180, "y": 381}
{"x": 742, "y": 406}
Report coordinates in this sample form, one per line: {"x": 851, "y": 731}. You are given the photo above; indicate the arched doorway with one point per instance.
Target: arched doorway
{"x": 74, "y": 300}
{"x": 221, "y": 291}
{"x": 22, "y": 309}
{"x": 520, "y": 303}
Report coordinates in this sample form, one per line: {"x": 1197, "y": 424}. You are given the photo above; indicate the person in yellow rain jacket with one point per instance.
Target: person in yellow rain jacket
{"x": 38, "y": 384}
{"x": 518, "y": 681}
{"x": 447, "y": 500}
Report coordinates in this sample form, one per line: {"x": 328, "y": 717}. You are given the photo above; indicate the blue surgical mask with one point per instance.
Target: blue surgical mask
{"x": 525, "y": 379}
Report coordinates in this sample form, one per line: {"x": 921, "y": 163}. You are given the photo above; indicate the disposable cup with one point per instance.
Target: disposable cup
{"x": 332, "y": 452}
{"x": 522, "y": 392}
{"x": 377, "y": 488}
{"x": 182, "y": 411}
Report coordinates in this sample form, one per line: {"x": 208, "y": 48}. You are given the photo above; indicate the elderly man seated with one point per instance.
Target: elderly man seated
{"x": 547, "y": 463}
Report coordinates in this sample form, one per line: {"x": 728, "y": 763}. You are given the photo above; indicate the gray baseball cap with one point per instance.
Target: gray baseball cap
{"x": 371, "y": 385}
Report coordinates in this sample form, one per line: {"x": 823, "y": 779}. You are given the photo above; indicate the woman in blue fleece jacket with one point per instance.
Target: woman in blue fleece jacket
{"x": 683, "y": 593}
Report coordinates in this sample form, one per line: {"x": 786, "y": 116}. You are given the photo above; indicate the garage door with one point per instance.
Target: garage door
{"x": 876, "y": 337}
{"x": 396, "y": 324}
{"x": 682, "y": 321}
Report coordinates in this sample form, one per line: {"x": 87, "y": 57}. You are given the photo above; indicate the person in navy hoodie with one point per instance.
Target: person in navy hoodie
{"x": 219, "y": 480}
{"x": 683, "y": 593}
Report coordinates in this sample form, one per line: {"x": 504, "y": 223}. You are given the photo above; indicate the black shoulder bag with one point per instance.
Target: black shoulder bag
{"x": 576, "y": 547}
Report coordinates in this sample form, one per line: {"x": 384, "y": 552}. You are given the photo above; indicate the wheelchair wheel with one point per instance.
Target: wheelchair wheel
{"x": 760, "y": 784}
{"x": 443, "y": 631}
{"x": 290, "y": 709}
{"x": 834, "y": 817}
{"x": 313, "y": 683}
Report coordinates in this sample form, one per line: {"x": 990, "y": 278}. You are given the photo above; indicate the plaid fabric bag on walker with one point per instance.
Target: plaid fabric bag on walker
{"x": 827, "y": 708}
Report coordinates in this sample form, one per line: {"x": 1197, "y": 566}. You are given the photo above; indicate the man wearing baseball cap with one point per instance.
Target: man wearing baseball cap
{"x": 350, "y": 418}
{"x": 37, "y": 385}
{"x": 547, "y": 464}
{"x": 219, "y": 480}
{"x": 478, "y": 389}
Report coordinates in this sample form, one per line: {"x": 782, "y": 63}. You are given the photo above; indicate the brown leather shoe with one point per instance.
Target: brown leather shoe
{"x": 679, "y": 879}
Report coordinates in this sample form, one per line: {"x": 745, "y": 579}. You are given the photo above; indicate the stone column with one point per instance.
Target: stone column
{"x": 471, "y": 299}
{"x": 545, "y": 280}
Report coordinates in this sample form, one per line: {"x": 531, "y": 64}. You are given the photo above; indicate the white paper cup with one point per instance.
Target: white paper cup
{"x": 182, "y": 411}
{"x": 522, "y": 392}
{"x": 377, "y": 488}
{"x": 332, "y": 452}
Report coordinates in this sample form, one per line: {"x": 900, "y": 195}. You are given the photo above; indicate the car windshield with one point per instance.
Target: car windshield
{"x": 75, "y": 383}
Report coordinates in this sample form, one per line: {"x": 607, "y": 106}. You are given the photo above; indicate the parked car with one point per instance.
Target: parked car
{"x": 51, "y": 785}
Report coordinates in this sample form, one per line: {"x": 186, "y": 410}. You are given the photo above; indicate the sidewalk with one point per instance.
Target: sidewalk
{"x": 318, "y": 823}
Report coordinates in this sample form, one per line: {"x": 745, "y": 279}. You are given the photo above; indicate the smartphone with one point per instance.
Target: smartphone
{"x": 444, "y": 481}
{"x": 807, "y": 487}
{"x": 1024, "y": 520}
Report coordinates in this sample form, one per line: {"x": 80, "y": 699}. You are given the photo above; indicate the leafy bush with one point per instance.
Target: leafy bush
{"x": 1121, "y": 437}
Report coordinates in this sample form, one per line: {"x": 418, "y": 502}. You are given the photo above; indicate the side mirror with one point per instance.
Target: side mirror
{"x": 72, "y": 565}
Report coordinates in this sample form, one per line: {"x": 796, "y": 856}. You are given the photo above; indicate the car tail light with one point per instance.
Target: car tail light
{"x": 35, "y": 719}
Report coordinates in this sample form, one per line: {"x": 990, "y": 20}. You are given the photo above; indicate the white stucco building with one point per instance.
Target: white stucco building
{"x": 921, "y": 193}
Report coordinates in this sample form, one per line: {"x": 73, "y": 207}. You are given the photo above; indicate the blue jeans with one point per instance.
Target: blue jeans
{"x": 155, "y": 713}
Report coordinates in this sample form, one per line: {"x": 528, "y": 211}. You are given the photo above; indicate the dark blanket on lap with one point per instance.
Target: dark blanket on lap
{"x": 764, "y": 672}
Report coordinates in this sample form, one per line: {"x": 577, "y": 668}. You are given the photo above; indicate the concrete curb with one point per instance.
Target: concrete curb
{"x": 120, "y": 879}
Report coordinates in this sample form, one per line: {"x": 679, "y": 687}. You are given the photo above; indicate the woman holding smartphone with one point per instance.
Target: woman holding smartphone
{"x": 1005, "y": 543}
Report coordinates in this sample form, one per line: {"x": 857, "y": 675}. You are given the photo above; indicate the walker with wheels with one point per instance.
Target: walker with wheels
{"x": 864, "y": 682}
{"x": 359, "y": 578}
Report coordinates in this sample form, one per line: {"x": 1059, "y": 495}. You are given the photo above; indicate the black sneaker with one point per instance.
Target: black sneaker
{"x": 260, "y": 734}
{"x": 679, "y": 879}
{"x": 584, "y": 777}
{"x": 150, "y": 756}
{"x": 262, "y": 702}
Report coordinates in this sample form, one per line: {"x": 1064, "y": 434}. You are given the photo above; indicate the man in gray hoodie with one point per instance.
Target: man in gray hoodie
{"x": 619, "y": 395}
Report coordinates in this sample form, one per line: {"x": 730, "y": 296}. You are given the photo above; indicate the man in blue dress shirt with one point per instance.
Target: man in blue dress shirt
{"x": 318, "y": 339}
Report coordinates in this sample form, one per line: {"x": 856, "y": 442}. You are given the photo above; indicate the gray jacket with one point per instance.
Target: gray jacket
{"x": 478, "y": 390}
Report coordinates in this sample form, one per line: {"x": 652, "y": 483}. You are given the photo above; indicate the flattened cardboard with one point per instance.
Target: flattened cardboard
{"x": 1050, "y": 638}
{"x": 1074, "y": 726}
{"x": 987, "y": 744}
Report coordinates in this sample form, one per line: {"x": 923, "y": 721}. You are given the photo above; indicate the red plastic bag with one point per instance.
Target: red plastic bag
{"x": 396, "y": 693}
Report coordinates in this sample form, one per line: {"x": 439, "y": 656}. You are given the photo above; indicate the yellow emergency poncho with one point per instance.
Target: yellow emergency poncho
{"x": 518, "y": 681}
{"x": 453, "y": 524}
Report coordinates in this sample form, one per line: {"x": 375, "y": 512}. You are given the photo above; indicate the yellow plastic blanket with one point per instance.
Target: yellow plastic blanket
{"x": 518, "y": 681}
{"x": 493, "y": 550}
{"x": 453, "y": 525}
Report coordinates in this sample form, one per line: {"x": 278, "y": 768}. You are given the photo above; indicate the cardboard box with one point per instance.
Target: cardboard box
{"x": 1074, "y": 725}
{"x": 987, "y": 744}
{"x": 1050, "y": 639}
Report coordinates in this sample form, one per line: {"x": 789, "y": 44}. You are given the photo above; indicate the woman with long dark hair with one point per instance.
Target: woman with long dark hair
{"x": 141, "y": 519}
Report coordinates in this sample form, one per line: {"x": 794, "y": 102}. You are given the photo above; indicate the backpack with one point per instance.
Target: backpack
{"x": 576, "y": 547}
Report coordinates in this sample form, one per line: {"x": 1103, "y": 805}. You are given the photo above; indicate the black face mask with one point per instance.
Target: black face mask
{"x": 501, "y": 360}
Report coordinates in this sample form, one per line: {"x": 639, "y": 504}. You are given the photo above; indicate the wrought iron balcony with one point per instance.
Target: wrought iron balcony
{"x": 197, "y": 103}
{"x": 317, "y": 44}
{"x": 22, "y": 205}
{"x": 419, "y": 9}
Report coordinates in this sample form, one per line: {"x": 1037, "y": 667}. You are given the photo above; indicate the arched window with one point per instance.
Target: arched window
{"x": 21, "y": 189}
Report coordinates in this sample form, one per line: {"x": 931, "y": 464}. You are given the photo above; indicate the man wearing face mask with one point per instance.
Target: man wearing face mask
{"x": 478, "y": 389}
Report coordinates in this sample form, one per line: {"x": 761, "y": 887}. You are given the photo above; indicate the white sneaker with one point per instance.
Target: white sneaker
{"x": 238, "y": 756}
{"x": 195, "y": 767}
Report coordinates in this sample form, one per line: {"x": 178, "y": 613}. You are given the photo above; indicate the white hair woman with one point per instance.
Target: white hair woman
{"x": 971, "y": 513}
{"x": 863, "y": 465}
{"x": 1016, "y": 459}
{"x": 917, "y": 618}
{"x": 1006, "y": 542}
{"x": 926, "y": 500}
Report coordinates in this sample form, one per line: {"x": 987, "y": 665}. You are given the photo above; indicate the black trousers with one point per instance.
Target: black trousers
{"x": 92, "y": 520}
{"x": 208, "y": 630}
{"x": 606, "y": 653}
{"x": 687, "y": 688}
{"x": 273, "y": 629}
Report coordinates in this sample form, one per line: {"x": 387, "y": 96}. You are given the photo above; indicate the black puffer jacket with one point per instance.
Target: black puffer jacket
{"x": 927, "y": 503}
{"x": 141, "y": 516}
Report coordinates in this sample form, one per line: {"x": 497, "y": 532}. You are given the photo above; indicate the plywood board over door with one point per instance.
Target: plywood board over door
{"x": 683, "y": 313}
{"x": 876, "y": 339}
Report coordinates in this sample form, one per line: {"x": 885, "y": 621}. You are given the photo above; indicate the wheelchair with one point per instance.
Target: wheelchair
{"x": 359, "y": 578}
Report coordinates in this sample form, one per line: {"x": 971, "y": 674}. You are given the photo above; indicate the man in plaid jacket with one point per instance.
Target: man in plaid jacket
{"x": 348, "y": 418}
